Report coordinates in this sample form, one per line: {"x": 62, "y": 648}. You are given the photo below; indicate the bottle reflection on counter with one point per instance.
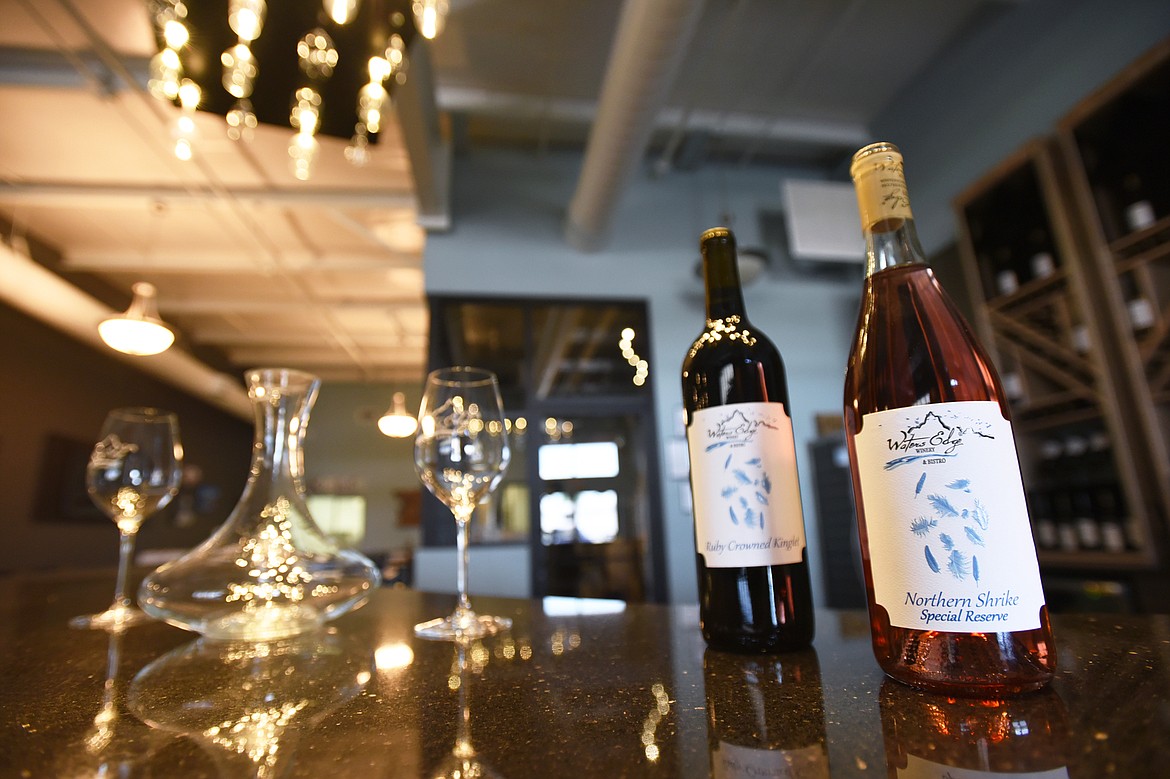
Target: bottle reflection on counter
{"x": 765, "y": 715}
{"x": 932, "y": 735}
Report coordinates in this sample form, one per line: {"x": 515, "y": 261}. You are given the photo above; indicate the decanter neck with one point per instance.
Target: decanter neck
{"x": 281, "y": 402}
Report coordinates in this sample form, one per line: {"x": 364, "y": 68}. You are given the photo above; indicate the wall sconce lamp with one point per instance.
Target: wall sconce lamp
{"x": 397, "y": 422}
{"x": 139, "y": 330}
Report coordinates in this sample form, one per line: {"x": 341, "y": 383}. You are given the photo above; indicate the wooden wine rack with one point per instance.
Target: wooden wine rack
{"x": 1082, "y": 338}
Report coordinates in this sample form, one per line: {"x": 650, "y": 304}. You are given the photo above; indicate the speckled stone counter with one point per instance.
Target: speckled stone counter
{"x": 577, "y": 688}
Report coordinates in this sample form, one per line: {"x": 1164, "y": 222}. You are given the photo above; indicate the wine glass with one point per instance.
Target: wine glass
{"x": 461, "y": 452}
{"x": 133, "y": 471}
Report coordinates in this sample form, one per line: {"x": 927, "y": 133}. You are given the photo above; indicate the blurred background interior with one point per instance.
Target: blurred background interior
{"x": 531, "y": 204}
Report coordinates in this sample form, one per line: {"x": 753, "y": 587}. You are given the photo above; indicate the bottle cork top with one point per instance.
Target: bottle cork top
{"x": 880, "y": 182}
{"x": 715, "y": 232}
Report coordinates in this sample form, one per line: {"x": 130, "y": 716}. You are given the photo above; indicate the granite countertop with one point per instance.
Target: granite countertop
{"x": 577, "y": 688}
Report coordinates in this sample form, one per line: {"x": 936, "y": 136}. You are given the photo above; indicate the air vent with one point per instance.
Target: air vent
{"x": 822, "y": 222}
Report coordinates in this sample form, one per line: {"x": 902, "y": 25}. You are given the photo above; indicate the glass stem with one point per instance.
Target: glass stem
{"x": 125, "y": 554}
{"x": 462, "y": 532}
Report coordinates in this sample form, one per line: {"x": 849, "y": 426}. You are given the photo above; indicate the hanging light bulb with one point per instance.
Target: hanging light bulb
{"x": 139, "y": 330}
{"x": 341, "y": 11}
{"x": 175, "y": 34}
{"x": 306, "y": 110}
{"x": 239, "y": 70}
{"x": 317, "y": 54}
{"x": 429, "y": 16}
{"x": 357, "y": 152}
{"x": 189, "y": 95}
{"x": 241, "y": 121}
{"x": 397, "y": 421}
{"x": 246, "y": 18}
{"x": 371, "y": 102}
{"x": 166, "y": 71}
{"x": 303, "y": 150}
{"x": 396, "y": 53}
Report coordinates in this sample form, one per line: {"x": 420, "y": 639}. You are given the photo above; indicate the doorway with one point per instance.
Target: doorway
{"x": 582, "y": 489}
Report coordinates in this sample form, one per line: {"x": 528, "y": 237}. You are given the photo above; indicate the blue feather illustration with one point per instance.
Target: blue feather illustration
{"x": 921, "y": 482}
{"x": 947, "y": 542}
{"x": 974, "y": 536}
{"x": 753, "y": 461}
{"x": 957, "y": 564}
{"x": 749, "y": 518}
{"x": 734, "y": 518}
{"x": 980, "y": 514}
{"x": 741, "y": 477}
{"x": 761, "y": 498}
{"x": 727, "y": 464}
{"x": 766, "y": 483}
{"x": 920, "y": 526}
{"x": 727, "y": 492}
{"x": 975, "y": 567}
{"x": 930, "y": 560}
{"x": 960, "y": 484}
{"x": 942, "y": 506}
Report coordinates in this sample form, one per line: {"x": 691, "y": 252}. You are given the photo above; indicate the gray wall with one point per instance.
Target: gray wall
{"x": 346, "y": 453}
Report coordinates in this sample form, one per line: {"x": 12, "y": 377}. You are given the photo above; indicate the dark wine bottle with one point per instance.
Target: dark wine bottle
{"x": 953, "y": 585}
{"x": 765, "y": 715}
{"x": 754, "y": 590}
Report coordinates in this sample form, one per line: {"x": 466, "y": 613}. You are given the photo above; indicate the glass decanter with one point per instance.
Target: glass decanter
{"x": 268, "y": 572}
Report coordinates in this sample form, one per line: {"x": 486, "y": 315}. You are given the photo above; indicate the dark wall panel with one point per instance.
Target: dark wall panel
{"x": 54, "y": 395}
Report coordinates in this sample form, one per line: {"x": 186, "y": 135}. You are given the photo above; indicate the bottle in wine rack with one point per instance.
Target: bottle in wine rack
{"x": 1007, "y": 276}
{"x": 1042, "y": 262}
{"x": 754, "y": 589}
{"x": 953, "y": 585}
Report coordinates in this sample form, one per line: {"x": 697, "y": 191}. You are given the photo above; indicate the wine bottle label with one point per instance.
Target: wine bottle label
{"x": 731, "y": 761}
{"x": 745, "y": 486}
{"x": 921, "y": 768}
{"x": 950, "y": 544}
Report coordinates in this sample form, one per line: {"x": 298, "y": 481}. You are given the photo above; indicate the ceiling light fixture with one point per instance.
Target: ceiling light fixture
{"x": 430, "y": 16}
{"x": 349, "y": 32}
{"x": 139, "y": 330}
{"x": 397, "y": 421}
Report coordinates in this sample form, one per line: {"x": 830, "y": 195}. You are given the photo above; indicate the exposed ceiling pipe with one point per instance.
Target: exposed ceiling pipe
{"x": 42, "y": 294}
{"x": 651, "y": 41}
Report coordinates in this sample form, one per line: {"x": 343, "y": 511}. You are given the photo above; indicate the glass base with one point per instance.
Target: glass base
{"x": 460, "y": 625}
{"x": 455, "y": 767}
{"x": 113, "y": 619}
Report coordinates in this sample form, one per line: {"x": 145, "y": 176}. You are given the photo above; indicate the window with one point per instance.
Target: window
{"x": 341, "y": 517}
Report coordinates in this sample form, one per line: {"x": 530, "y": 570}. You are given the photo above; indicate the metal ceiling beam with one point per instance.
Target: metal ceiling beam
{"x": 428, "y": 150}
{"x": 748, "y": 126}
{"x": 651, "y": 41}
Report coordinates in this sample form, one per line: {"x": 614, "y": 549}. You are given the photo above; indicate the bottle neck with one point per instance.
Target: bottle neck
{"x": 281, "y": 401}
{"x": 892, "y": 242}
{"x": 884, "y": 203}
{"x": 721, "y": 278}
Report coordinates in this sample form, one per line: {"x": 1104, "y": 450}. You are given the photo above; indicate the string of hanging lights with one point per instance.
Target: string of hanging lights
{"x": 308, "y": 67}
